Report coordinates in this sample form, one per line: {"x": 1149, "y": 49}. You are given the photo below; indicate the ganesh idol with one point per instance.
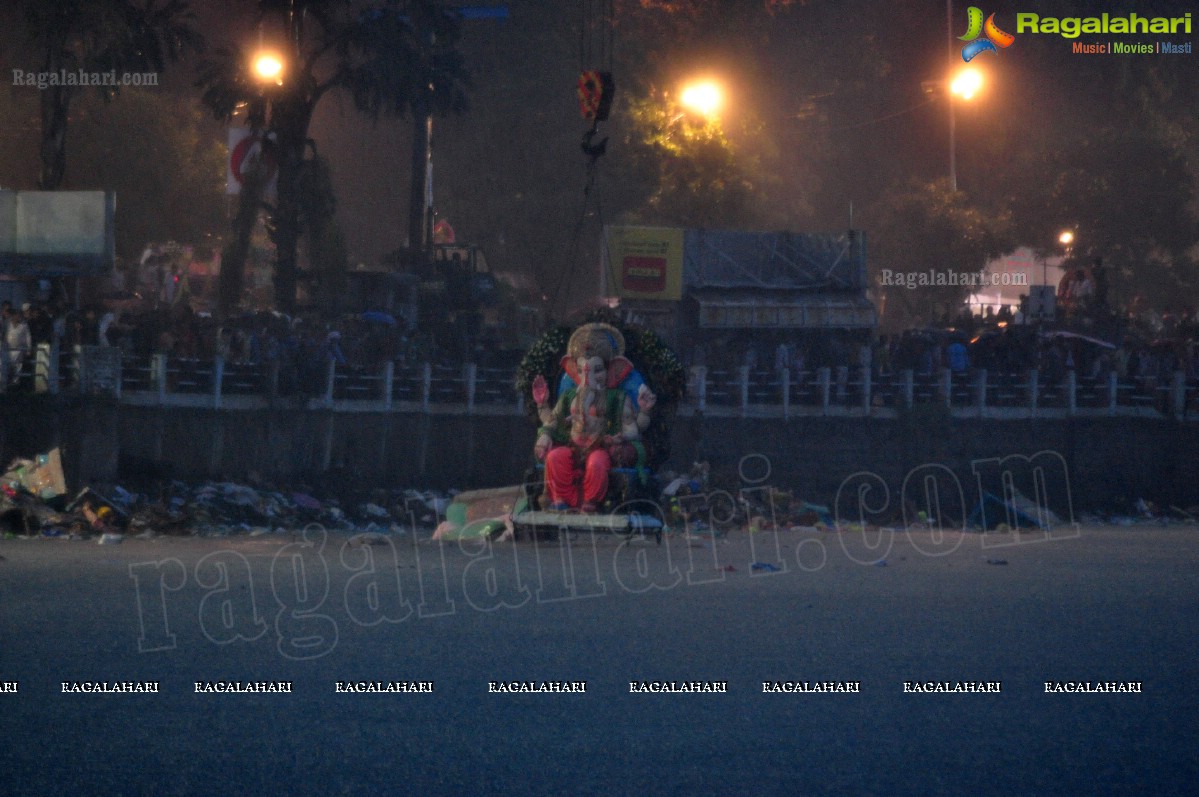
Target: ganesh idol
{"x": 596, "y": 424}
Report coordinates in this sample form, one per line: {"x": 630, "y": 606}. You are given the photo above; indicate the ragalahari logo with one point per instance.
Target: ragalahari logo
{"x": 993, "y": 40}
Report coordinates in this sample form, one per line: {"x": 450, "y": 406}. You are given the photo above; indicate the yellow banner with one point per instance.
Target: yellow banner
{"x": 645, "y": 263}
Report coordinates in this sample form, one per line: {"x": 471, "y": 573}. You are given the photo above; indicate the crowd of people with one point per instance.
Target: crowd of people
{"x": 1155, "y": 348}
{"x": 304, "y": 345}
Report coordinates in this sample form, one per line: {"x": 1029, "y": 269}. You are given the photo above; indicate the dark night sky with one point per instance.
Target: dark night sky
{"x": 523, "y": 133}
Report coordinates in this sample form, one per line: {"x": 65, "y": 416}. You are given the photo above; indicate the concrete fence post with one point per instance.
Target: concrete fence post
{"x": 785, "y": 378}
{"x": 470, "y": 375}
{"x": 43, "y": 378}
{"x": 701, "y": 387}
{"x": 55, "y": 366}
{"x": 330, "y": 381}
{"x": 1071, "y": 392}
{"x": 825, "y": 376}
{"x": 980, "y": 391}
{"x": 1034, "y": 389}
{"x": 1178, "y": 395}
{"x": 218, "y": 376}
{"x": 426, "y": 385}
{"x": 1113, "y": 392}
{"x": 389, "y": 371}
{"x": 743, "y": 383}
{"x": 158, "y": 373}
{"x": 908, "y": 387}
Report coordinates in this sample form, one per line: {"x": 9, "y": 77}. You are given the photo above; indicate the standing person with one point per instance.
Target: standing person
{"x": 957, "y": 357}
{"x": 18, "y": 343}
{"x": 799, "y": 362}
{"x": 782, "y": 356}
{"x": 107, "y": 328}
{"x": 41, "y": 324}
{"x": 882, "y": 356}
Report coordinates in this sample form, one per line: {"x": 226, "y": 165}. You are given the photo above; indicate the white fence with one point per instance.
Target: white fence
{"x": 473, "y": 389}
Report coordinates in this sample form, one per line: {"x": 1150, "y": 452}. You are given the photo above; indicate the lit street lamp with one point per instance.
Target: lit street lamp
{"x": 1066, "y": 239}
{"x": 268, "y": 68}
{"x": 705, "y": 98}
{"x": 965, "y": 84}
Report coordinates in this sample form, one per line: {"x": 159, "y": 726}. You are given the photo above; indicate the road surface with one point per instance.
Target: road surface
{"x": 954, "y": 664}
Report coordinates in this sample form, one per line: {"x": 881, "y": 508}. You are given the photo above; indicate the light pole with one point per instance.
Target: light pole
{"x": 267, "y": 68}
{"x": 953, "y": 167}
{"x": 1066, "y": 239}
{"x": 964, "y": 84}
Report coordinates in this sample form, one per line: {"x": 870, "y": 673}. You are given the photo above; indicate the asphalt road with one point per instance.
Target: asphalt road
{"x": 1091, "y": 604}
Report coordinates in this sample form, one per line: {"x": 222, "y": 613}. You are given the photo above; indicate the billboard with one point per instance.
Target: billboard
{"x": 56, "y": 233}
{"x": 644, "y": 262}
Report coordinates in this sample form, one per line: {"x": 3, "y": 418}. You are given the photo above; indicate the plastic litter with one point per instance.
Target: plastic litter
{"x": 765, "y": 567}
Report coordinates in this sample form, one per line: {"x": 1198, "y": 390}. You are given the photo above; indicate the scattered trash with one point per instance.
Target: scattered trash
{"x": 40, "y": 476}
{"x": 881, "y": 563}
{"x": 727, "y": 569}
{"x": 765, "y": 567}
{"x": 34, "y": 503}
{"x": 369, "y": 538}
{"x": 997, "y": 561}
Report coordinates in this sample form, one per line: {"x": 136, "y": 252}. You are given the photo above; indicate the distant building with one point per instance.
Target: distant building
{"x": 709, "y": 287}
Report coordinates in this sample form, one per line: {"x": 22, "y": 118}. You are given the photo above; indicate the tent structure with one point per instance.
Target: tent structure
{"x": 1017, "y": 512}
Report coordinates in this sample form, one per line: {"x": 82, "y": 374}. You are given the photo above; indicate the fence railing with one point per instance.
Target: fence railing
{"x": 473, "y": 389}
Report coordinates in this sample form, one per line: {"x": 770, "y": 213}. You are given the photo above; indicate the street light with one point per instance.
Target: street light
{"x": 268, "y": 67}
{"x": 965, "y": 84}
{"x": 1066, "y": 239}
{"x": 705, "y": 97}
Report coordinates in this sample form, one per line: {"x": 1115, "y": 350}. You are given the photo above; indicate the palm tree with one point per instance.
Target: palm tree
{"x": 97, "y": 37}
{"x": 380, "y": 56}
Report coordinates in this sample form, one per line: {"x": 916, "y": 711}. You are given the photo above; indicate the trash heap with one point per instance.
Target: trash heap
{"x": 34, "y": 502}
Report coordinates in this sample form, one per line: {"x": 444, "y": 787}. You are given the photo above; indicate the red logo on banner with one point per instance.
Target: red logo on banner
{"x": 643, "y": 274}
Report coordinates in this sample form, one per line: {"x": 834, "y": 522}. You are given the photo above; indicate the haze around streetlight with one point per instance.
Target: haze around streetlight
{"x": 966, "y": 83}
{"x": 705, "y": 97}
{"x": 268, "y": 67}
